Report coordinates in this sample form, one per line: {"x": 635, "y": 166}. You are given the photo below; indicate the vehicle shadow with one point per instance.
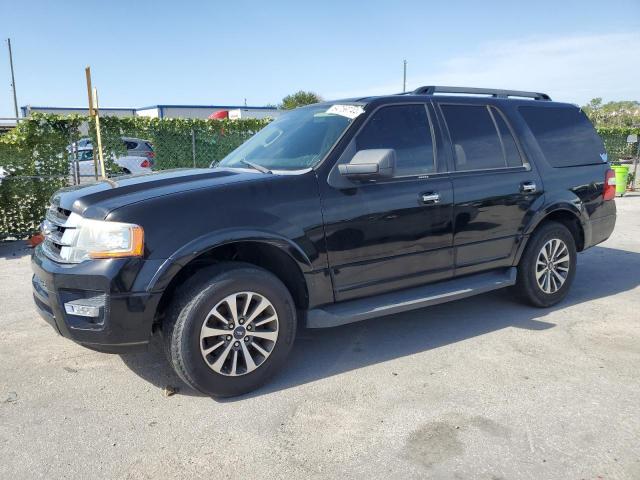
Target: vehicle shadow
{"x": 14, "y": 249}
{"x": 322, "y": 353}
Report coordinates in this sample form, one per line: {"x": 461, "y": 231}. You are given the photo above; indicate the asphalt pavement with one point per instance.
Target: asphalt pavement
{"x": 483, "y": 388}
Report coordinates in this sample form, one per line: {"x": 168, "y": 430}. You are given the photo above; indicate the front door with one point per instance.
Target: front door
{"x": 393, "y": 233}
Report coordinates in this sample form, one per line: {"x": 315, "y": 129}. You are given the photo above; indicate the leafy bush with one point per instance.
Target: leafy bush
{"x": 34, "y": 153}
{"x": 615, "y": 141}
{"x": 299, "y": 99}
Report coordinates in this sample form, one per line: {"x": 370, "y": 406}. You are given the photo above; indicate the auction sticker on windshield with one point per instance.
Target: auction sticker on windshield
{"x": 349, "y": 111}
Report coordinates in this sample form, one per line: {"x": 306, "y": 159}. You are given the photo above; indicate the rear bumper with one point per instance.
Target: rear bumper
{"x": 125, "y": 320}
{"x": 601, "y": 229}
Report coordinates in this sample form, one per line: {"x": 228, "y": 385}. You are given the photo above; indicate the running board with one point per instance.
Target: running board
{"x": 409, "y": 299}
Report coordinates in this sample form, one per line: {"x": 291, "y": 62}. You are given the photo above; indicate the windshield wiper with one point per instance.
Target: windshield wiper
{"x": 255, "y": 166}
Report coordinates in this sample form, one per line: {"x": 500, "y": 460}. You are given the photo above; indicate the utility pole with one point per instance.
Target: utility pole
{"x": 13, "y": 79}
{"x": 404, "y": 77}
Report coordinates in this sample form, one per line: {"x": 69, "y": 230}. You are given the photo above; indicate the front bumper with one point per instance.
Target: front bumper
{"x": 126, "y": 317}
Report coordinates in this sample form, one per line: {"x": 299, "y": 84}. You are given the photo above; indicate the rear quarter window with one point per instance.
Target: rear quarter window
{"x": 565, "y": 135}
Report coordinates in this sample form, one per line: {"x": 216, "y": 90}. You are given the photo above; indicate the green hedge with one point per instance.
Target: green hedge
{"x": 35, "y": 154}
{"x": 615, "y": 141}
{"x": 173, "y": 139}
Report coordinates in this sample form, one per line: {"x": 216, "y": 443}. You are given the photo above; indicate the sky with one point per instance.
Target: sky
{"x": 212, "y": 52}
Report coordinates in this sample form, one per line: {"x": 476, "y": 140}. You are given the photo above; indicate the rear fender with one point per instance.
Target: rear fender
{"x": 574, "y": 208}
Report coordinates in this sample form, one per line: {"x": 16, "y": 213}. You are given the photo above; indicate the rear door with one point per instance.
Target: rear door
{"x": 495, "y": 188}
{"x": 391, "y": 233}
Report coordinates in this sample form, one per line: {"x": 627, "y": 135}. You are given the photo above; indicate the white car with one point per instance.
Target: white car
{"x": 129, "y": 164}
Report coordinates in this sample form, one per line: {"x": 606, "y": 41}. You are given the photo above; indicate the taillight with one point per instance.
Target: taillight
{"x": 609, "y": 185}
{"x": 147, "y": 164}
{"x": 151, "y": 155}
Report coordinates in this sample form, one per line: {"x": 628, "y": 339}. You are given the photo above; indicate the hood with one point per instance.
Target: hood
{"x": 96, "y": 200}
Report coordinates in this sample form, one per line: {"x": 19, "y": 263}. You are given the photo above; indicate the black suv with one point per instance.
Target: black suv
{"x": 334, "y": 213}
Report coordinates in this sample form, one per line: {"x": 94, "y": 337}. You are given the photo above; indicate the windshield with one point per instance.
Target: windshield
{"x": 295, "y": 141}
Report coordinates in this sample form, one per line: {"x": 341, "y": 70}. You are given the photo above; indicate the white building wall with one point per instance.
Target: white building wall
{"x": 204, "y": 112}
{"x": 160, "y": 111}
{"x": 148, "y": 112}
{"x": 104, "y": 112}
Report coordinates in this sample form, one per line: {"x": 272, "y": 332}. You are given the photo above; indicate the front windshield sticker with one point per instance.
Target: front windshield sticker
{"x": 349, "y": 111}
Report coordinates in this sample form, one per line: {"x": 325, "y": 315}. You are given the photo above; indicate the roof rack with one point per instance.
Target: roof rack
{"x": 494, "y": 92}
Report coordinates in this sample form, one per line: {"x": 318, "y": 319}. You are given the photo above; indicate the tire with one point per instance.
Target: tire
{"x": 191, "y": 329}
{"x": 536, "y": 284}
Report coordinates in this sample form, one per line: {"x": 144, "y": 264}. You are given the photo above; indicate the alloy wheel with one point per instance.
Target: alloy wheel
{"x": 552, "y": 266}
{"x": 239, "y": 334}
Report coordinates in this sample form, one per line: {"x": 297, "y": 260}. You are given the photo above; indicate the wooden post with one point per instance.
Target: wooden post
{"x": 96, "y": 113}
{"x": 87, "y": 72}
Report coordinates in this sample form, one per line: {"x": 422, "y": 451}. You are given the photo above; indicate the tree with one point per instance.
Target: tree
{"x": 299, "y": 99}
{"x": 613, "y": 114}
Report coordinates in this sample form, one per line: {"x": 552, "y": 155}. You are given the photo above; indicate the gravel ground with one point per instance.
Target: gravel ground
{"x": 483, "y": 388}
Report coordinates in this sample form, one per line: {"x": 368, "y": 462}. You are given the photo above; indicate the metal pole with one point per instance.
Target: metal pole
{"x": 74, "y": 160}
{"x": 13, "y": 79}
{"x": 193, "y": 146}
{"x": 404, "y": 77}
{"x": 635, "y": 168}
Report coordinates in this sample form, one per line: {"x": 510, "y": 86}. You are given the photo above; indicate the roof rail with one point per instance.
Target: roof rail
{"x": 494, "y": 92}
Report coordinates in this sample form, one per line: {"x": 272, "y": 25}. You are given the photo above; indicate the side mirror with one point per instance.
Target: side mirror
{"x": 370, "y": 164}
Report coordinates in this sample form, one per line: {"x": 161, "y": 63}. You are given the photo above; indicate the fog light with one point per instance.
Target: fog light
{"x": 85, "y": 307}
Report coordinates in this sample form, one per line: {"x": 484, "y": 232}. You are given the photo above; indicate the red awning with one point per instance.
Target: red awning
{"x": 219, "y": 115}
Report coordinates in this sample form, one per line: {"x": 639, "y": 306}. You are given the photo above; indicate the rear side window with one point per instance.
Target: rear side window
{"x": 565, "y": 135}
{"x": 406, "y": 129}
{"x": 511, "y": 153}
{"x": 481, "y": 138}
{"x": 130, "y": 145}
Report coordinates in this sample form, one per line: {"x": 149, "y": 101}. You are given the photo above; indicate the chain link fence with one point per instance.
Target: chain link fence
{"x": 617, "y": 146}
{"x": 46, "y": 152}
{"x": 194, "y": 148}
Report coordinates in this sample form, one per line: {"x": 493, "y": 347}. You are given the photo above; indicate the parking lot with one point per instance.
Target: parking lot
{"x": 483, "y": 388}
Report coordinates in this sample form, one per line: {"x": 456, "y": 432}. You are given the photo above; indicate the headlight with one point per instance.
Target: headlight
{"x": 88, "y": 239}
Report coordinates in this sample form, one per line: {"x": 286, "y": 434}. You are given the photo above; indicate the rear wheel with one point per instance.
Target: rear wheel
{"x": 230, "y": 329}
{"x": 547, "y": 268}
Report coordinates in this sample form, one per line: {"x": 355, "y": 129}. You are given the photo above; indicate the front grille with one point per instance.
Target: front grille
{"x": 56, "y": 242}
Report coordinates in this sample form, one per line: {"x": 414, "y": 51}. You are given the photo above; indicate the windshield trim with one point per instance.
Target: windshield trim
{"x": 321, "y": 161}
{"x": 274, "y": 172}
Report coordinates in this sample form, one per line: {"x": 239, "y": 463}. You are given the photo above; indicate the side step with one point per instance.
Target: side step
{"x": 409, "y": 299}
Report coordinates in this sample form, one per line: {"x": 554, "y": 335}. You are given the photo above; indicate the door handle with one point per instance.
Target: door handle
{"x": 431, "y": 197}
{"x": 528, "y": 187}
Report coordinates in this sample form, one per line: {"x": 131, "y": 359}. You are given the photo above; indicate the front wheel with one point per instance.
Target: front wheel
{"x": 548, "y": 266}
{"x": 229, "y": 329}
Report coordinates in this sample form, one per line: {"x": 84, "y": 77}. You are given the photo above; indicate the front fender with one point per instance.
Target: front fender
{"x": 172, "y": 265}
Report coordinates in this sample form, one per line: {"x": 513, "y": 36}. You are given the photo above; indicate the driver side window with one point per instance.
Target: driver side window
{"x": 406, "y": 129}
